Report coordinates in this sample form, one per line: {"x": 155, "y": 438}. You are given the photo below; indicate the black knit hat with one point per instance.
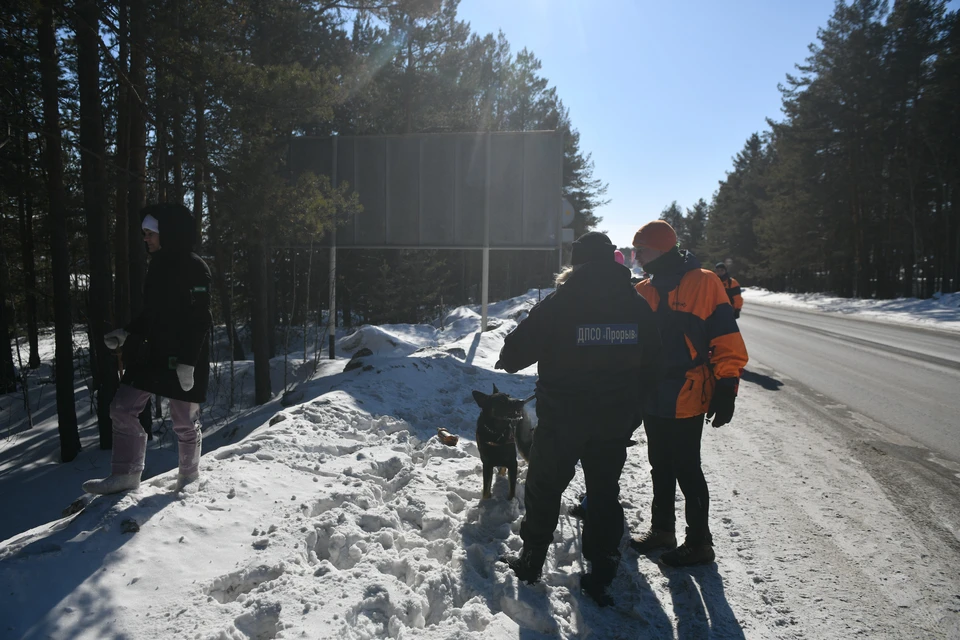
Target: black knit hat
{"x": 592, "y": 247}
{"x": 720, "y": 265}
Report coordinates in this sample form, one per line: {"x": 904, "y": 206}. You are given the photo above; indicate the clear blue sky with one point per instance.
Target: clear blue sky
{"x": 665, "y": 93}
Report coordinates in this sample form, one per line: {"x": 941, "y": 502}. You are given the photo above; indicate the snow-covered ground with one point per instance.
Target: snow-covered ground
{"x": 343, "y": 516}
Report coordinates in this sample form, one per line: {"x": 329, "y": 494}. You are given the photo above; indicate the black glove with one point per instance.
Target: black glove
{"x": 736, "y": 313}
{"x": 498, "y": 365}
{"x": 724, "y": 397}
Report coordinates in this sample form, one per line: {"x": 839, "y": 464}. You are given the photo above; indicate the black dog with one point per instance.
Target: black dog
{"x": 503, "y": 428}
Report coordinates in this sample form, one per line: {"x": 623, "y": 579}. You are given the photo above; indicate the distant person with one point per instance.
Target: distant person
{"x": 596, "y": 343}
{"x": 732, "y": 286}
{"x": 703, "y": 354}
{"x": 166, "y": 349}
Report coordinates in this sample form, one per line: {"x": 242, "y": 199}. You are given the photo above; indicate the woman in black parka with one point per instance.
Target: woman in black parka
{"x": 166, "y": 350}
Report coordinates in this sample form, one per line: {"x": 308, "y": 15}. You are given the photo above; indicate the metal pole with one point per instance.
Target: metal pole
{"x": 485, "y": 286}
{"x": 332, "y": 320}
{"x": 560, "y": 208}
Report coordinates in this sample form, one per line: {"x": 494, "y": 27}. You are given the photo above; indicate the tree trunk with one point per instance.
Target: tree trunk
{"x": 176, "y": 161}
{"x": 93, "y": 171}
{"x": 160, "y": 154}
{"x": 59, "y": 249}
{"x": 122, "y": 162}
{"x": 270, "y": 298}
{"x": 25, "y": 188}
{"x": 409, "y": 76}
{"x": 260, "y": 326}
{"x": 177, "y": 98}
{"x": 955, "y": 217}
{"x": 136, "y": 186}
{"x": 306, "y": 302}
{"x": 908, "y": 260}
{"x": 8, "y": 376}
{"x": 345, "y": 304}
{"x": 27, "y": 255}
{"x": 199, "y": 162}
{"x": 220, "y": 278}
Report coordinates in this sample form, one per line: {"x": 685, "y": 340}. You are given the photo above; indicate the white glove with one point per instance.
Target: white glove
{"x": 115, "y": 339}
{"x": 185, "y": 374}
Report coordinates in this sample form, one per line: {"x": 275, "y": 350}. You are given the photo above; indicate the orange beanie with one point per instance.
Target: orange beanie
{"x": 657, "y": 235}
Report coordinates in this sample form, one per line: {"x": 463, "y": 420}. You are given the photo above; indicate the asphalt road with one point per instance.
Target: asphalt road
{"x": 904, "y": 377}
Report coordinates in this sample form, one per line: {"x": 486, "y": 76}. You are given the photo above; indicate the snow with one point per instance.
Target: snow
{"x": 343, "y": 516}
{"x": 941, "y": 311}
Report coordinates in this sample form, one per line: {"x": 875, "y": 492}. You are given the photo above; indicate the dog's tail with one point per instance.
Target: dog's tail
{"x": 524, "y": 438}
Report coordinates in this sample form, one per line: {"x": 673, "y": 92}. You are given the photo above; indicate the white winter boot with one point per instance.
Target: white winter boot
{"x": 183, "y": 479}
{"x": 113, "y": 484}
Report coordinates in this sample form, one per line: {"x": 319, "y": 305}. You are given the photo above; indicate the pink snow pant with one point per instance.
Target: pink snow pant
{"x": 130, "y": 440}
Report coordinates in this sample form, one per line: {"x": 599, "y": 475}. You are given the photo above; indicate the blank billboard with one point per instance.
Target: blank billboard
{"x": 444, "y": 190}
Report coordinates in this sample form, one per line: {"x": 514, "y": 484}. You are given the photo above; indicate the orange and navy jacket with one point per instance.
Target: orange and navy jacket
{"x": 702, "y": 346}
{"x": 733, "y": 291}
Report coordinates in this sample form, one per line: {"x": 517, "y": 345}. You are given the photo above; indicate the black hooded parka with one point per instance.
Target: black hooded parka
{"x": 173, "y": 327}
{"x": 579, "y": 370}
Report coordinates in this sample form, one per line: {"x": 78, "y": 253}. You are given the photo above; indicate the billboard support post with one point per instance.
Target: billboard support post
{"x": 485, "y": 289}
{"x": 485, "y": 279}
{"x": 559, "y": 225}
{"x": 332, "y": 320}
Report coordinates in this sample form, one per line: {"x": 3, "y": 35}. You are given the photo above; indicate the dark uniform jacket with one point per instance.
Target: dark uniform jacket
{"x": 702, "y": 346}
{"x": 174, "y": 325}
{"x": 595, "y": 339}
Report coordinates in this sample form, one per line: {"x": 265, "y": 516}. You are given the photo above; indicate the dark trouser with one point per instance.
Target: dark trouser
{"x": 673, "y": 447}
{"x": 600, "y": 445}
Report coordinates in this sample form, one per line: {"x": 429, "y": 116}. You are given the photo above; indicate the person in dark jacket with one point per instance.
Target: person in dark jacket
{"x": 732, "y": 287}
{"x": 703, "y": 355}
{"x": 597, "y": 344}
{"x": 166, "y": 349}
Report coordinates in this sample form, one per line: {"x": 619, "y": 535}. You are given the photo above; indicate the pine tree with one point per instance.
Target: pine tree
{"x": 737, "y": 207}
{"x": 93, "y": 153}
{"x": 939, "y": 131}
{"x": 694, "y": 228}
{"x": 673, "y": 215}
{"x": 50, "y": 76}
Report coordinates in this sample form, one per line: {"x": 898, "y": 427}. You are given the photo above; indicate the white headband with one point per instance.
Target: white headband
{"x": 150, "y": 223}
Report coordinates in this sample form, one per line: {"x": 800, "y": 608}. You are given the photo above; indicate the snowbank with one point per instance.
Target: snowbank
{"x": 941, "y": 312}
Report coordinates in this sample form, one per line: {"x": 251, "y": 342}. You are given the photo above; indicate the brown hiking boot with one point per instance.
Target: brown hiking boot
{"x": 654, "y": 539}
{"x": 688, "y": 554}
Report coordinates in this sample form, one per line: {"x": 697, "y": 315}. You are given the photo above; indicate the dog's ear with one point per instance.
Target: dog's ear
{"x": 481, "y": 398}
{"x": 495, "y": 390}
